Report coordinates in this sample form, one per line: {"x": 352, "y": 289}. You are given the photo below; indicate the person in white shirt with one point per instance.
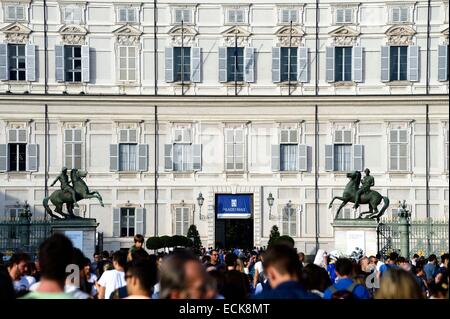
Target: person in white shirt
{"x": 112, "y": 279}
{"x": 259, "y": 269}
{"x": 17, "y": 269}
{"x": 141, "y": 276}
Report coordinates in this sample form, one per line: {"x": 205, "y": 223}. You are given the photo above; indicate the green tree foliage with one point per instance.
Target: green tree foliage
{"x": 193, "y": 234}
{"x": 154, "y": 243}
{"x": 274, "y": 235}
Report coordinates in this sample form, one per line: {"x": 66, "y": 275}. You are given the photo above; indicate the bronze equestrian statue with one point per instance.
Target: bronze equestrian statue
{"x": 68, "y": 194}
{"x": 354, "y": 194}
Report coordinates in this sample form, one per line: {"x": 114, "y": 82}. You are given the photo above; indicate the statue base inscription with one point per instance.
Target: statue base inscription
{"x": 352, "y": 233}
{"x": 80, "y": 231}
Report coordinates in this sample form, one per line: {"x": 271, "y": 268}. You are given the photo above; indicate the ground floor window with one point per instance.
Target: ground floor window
{"x": 127, "y": 222}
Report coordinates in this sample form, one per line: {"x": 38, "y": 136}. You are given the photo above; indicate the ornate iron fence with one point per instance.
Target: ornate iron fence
{"x": 23, "y": 235}
{"x": 426, "y": 237}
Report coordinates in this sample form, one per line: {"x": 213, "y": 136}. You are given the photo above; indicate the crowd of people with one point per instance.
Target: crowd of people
{"x": 62, "y": 271}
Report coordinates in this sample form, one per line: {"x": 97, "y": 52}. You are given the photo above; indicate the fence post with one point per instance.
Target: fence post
{"x": 404, "y": 229}
{"x": 24, "y": 224}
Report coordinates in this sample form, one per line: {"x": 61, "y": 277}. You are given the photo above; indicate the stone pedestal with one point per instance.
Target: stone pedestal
{"x": 352, "y": 233}
{"x": 80, "y": 231}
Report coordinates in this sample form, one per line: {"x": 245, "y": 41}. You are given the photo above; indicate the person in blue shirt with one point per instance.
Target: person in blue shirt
{"x": 391, "y": 262}
{"x": 344, "y": 283}
{"x": 282, "y": 266}
{"x": 431, "y": 268}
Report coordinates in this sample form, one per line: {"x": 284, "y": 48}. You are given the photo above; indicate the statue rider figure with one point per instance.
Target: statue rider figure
{"x": 63, "y": 178}
{"x": 367, "y": 182}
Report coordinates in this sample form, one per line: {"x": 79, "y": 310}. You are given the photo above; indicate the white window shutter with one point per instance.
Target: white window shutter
{"x": 32, "y": 157}
{"x": 249, "y": 65}
{"x": 339, "y": 15}
{"x": 196, "y": 64}
{"x": 168, "y": 157}
{"x": 4, "y": 158}
{"x": 302, "y": 157}
{"x": 275, "y": 157}
{"x": 357, "y": 64}
{"x": 276, "y": 64}
{"x": 139, "y": 221}
{"x": 114, "y": 157}
{"x": 197, "y": 157}
{"x": 85, "y": 61}
{"x": 222, "y": 64}
{"x": 116, "y": 222}
{"x": 169, "y": 63}
{"x": 143, "y": 157}
{"x": 303, "y": 65}
{"x": 358, "y": 157}
{"x": 413, "y": 63}
{"x": 443, "y": 63}
{"x": 132, "y": 135}
{"x": 385, "y": 63}
{"x": 59, "y": 63}
{"x": 4, "y": 69}
{"x": 30, "y": 62}
{"x": 330, "y": 64}
{"x": 395, "y": 14}
{"x": 329, "y": 157}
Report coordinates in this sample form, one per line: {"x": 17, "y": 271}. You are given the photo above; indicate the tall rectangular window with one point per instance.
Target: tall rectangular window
{"x": 127, "y": 157}
{"x": 288, "y": 64}
{"x": 289, "y": 222}
{"x": 235, "y": 64}
{"x": 72, "y": 148}
{"x": 182, "y": 63}
{"x": 234, "y": 149}
{"x": 182, "y": 220}
{"x": 127, "y": 63}
{"x": 343, "y": 157}
{"x": 398, "y": 63}
{"x": 16, "y": 56}
{"x": 17, "y": 157}
{"x": 288, "y": 157}
{"x": 72, "y": 66}
{"x": 182, "y": 157}
{"x": 127, "y": 222}
{"x": 343, "y": 64}
{"x": 398, "y": 150}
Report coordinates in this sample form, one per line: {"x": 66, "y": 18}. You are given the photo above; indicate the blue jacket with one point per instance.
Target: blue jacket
{"x": 430, "y": 270}
{"x": 359, "y": 292}
{"x": 287, "y": 290}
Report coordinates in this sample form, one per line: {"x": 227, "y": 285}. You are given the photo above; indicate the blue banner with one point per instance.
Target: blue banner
{"x": 234, "y": 206}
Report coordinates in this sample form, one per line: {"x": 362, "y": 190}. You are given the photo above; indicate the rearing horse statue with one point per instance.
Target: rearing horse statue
{"x": 61, "y": 197}
{"x": 373, "y": 198}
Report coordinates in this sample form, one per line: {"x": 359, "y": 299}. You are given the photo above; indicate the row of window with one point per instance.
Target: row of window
{"x": 184, "y": 64}
{"x": 74, "y": 14}
{"x": 185, "y": 156}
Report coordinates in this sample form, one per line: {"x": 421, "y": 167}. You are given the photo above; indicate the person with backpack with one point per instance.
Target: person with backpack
{"x": 344, "y": 285}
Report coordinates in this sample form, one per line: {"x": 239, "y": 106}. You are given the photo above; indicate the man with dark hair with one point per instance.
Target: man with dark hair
{"x": 141, "y": 276}
{"x": 182, "y": 277}
{"x": 431, "y": 267}
{"x": 113, "y": 279}
{"x": 137, "y": 250}
{"x": 101, "y": 263}
{"x": 230, "y": 261}
{"x": 391, "y": 263}
{"x": 55, "y": 254}
{"x": 282, "y": 267}
{"x": 344, "y": 283}
{"x": 17, "y": 268}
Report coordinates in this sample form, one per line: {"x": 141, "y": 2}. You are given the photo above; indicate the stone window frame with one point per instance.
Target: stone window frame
{"x": 390, "y": 7}
{"x": 25, "y": 3}
{"x": 135, "y": 6}
{"x": 183, "y": 7}
{"x": 81, "y": 6}
{"x": 246, "y": 9}
{"x": 355, "y": 12}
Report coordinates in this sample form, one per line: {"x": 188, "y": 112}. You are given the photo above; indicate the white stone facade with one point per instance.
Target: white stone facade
{"x": 366, "y": 107}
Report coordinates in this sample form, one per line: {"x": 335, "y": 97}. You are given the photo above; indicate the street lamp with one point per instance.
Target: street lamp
{"x": 200, "y": 201}
{"x": 270, "y": 201}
